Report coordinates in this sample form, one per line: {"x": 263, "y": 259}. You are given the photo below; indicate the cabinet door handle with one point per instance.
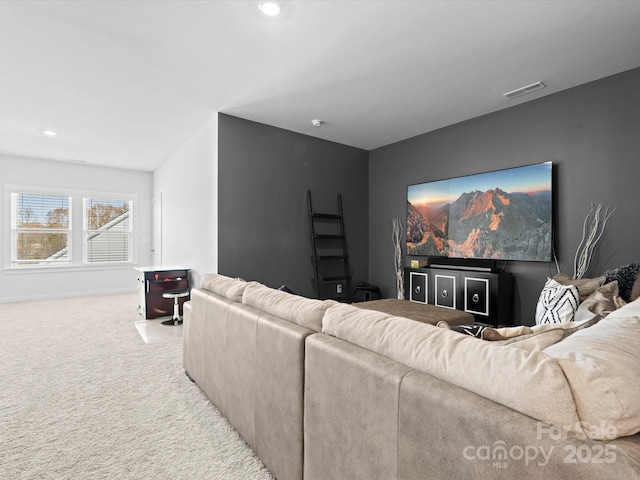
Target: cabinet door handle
{"x": 417, "y": 289}
{"x": 475, "y": 298}
{"x": 444, "y": 294}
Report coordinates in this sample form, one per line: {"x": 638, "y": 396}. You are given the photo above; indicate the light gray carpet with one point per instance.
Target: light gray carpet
{"x": 82, "y": 396}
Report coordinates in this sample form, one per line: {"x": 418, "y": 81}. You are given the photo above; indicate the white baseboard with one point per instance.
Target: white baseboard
{"x": 86, "y": 293}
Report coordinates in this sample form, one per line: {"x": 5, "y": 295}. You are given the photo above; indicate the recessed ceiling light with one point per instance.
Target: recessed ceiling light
{"x": 317, "y": 123}
{"x": 270, "y": 8}
{"x": 49, "y": 133}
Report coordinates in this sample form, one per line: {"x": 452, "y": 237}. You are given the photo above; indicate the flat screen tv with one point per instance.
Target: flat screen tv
{"x": 503, "y": 215}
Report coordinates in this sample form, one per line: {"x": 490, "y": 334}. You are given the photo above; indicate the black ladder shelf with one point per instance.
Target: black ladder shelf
{"x": 330, "y": 258}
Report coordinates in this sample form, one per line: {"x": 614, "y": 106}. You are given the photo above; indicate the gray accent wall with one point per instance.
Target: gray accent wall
{"x": 263, "y": 226}
{"x": 591, "y": 133}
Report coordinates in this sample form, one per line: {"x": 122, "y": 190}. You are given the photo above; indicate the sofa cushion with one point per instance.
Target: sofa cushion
{"x": 557, "y": 303}
{"x": 510, "y": 332}
{"x": 520, "y": 379}
{"x": 601, "y": 302}
{"x": 537, "y": 337}
{"x": 536, "y": 340}
{"x": 528, "y": 340}
{"x": 303, "y": 311}
{"x": 543, "y": 336}
{"x": 231, "y": 288}
{"x": 585, "y": 286}
{"x": 602, "y": 366}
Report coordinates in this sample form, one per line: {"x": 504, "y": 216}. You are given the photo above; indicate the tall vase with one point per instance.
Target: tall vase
{"x": 397, "y": 257}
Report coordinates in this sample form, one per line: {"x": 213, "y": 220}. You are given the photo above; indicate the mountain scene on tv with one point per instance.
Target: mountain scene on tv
{"x": 510, "y": 222}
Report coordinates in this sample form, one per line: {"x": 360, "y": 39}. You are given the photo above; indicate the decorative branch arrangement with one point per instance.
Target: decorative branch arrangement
{"x": 397, "y": 261}
{"x": 590, "y": 237}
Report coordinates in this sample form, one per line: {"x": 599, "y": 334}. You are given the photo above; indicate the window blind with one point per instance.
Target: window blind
{"x": 107, "y": 230}
{"x": 40, "y": 226}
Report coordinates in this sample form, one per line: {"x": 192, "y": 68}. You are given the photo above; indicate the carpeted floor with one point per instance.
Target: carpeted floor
{"x": 82, "y": 396}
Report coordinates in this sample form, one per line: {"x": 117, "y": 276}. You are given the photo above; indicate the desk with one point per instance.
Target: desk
{"x": 153, "y": 282}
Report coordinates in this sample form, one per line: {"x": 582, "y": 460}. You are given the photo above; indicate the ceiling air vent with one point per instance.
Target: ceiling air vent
{"x": 524, "y": 90}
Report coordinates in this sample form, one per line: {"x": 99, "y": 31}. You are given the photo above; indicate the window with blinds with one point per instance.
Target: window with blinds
{"x": 40, "y": 229}
{"x": 58, "y": 228}
{"x": 107, "y": 230}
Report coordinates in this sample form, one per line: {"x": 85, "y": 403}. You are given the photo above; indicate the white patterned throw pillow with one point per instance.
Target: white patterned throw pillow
{"x": 557, "y": 303}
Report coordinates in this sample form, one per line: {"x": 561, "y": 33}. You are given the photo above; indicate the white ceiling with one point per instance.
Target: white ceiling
{"x": 126, "y": 83}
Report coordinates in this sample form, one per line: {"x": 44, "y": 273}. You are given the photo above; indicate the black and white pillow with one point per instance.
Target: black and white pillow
{"x": 473, "y": 330}
{"x": 557, "y": 303}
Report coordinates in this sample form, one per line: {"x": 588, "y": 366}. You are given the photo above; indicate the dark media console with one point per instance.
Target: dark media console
{"x": 471, "y": 285}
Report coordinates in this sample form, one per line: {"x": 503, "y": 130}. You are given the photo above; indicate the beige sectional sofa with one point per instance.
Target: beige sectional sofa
{"x": 322, "y": 390}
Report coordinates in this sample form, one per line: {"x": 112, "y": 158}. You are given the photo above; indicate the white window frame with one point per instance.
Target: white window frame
{"x": 76, "y": 232}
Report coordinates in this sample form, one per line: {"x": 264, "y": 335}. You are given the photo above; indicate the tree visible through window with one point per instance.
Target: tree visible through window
{"x": 53, "y": 228}
{"x": 107, "y": 230}
{"x": 40, "y": 227}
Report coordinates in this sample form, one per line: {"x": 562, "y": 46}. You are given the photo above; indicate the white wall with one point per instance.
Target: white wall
{"x": 60, "y": 282}
{"x": 188, "y": 185}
